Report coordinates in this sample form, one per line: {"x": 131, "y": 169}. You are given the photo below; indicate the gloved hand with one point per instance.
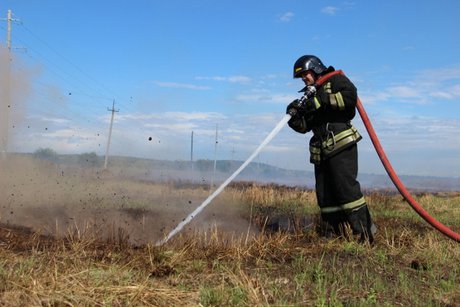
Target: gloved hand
{"x": 293, "y": 107}
{"x": 298, "y": 111}
{"x": 303, "y": 106}
{"x": 298, "y": 123}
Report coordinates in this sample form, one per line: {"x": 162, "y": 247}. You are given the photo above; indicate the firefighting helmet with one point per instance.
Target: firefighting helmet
{"x": 308, "y": 62}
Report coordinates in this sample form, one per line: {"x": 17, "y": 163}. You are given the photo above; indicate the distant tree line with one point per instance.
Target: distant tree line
{"x": 46, "y": 154}
{"x": 87, "y": 159}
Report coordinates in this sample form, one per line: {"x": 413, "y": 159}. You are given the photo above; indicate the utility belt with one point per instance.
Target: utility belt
{"x": 331, "y": 138}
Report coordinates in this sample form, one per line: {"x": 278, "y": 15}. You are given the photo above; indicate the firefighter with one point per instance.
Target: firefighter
{"x": 327, "y": 109}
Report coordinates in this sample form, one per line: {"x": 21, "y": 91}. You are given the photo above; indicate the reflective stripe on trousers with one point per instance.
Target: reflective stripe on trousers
{"x": 348, "y": 206}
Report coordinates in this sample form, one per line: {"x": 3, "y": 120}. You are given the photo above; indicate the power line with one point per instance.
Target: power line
{"x": 69, "y": 61}
{"x": 89, "y": 82}
{"x": 66, "y": 104}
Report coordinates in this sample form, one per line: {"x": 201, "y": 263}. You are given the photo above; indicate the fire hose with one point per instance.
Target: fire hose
{"x": 389, "y": 169}
{"x": 398, "y": 183}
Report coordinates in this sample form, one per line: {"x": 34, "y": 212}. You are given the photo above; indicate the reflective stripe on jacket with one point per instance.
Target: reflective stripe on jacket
{"x": 331, "y": 139}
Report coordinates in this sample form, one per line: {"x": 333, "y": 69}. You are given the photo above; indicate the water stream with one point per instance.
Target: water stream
{"x": 197, "y": 211}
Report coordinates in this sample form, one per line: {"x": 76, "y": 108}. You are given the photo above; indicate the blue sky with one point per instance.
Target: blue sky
{"x": 174, "y": 67}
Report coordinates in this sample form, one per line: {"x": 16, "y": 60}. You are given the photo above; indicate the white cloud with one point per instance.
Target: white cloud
{"x": 455, "y": 90}
{"x": 181, "y": 85}
{"x": 270, "y": 76}
{"x": 426, "y": 84}
{"x": 178, "y": 127}
{"x": 135, "y": 116}
{"x": 252, "y": 98}
{"x": 170, "y": 125}
{"x": 276, "y": 98}
{"x": 54, "y": 120}
{"x": 170, "y": 116}
{"x": 239, "y": 79}
{"x": 67, "y": 133}
{"x": 372, "y": 98}
{"x": 64, "y": 141}
{"x": 233, "y": 130}
{"x": 409, "y": 133}
{"x": 329, "y": 10}
{"x": 286, "y": 17}
{"x": 404, "y": 92}
{"x": 193, "y": 116}
{"x": 440, "y": 74}
{"x": 449, "y": 95}
{"x": 231, "y": 79}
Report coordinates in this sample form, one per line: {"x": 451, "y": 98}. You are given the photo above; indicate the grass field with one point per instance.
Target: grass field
{"x": 82, "y": 238}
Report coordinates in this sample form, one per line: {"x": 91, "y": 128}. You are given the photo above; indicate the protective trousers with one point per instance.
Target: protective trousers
{"x": 339, "y": 194}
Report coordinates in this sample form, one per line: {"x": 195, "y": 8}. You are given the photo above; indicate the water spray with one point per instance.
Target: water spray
{"x": 197, "y": 211}
{"x": 309, "y": 92}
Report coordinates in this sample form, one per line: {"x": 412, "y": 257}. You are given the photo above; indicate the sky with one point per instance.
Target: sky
{"x": 224, "y": 68}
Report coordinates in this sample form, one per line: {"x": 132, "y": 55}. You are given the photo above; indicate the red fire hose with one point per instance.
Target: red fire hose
{"x": 386, "y": 164}
{"x": 397, "y": 182}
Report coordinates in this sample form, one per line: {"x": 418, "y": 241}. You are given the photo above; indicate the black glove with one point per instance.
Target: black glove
{"x": 293, "y": 107}
{"x": 298, "y": 123}
{"x": 302, "y": 106}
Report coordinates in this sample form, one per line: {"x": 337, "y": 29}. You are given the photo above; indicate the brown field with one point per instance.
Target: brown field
{"x": 73, "y": 237}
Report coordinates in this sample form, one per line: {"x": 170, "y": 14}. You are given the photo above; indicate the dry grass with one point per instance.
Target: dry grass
{"x": 227, "y": 257}
{"x": 209, "y": 269}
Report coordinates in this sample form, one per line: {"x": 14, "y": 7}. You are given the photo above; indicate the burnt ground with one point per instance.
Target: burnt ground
{"x": 137, "y": 226}
{"x": 57, "y": 201}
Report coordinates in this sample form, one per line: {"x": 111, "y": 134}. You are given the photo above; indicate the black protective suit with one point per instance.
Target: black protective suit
{"x": 333, "y": 151}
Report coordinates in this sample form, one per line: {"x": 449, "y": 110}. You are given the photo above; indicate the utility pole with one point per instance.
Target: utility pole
{"x": 5, "y": 105}
{"x": 215, "y": 159}
{"x": 110, "y": 133}
{"x": 8, "y": 35}
{"x": 233, "y": 157}
{"x": 191, "y": 151}
{"x": 9, "y": 20}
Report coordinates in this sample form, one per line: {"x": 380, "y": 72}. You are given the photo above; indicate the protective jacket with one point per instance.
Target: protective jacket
{"x": 329, "y": 116}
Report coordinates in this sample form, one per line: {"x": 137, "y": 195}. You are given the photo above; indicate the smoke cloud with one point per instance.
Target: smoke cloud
{"x": 4, "y": 98}
{"x": 15, "y": 89}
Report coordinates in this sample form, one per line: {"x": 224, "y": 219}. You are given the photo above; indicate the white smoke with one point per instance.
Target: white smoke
{"x": 15, "y": 89}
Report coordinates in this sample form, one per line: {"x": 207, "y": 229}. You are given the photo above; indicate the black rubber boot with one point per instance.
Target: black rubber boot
{"x": 361, "y": 224}
{"x": 332, "y": 224}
